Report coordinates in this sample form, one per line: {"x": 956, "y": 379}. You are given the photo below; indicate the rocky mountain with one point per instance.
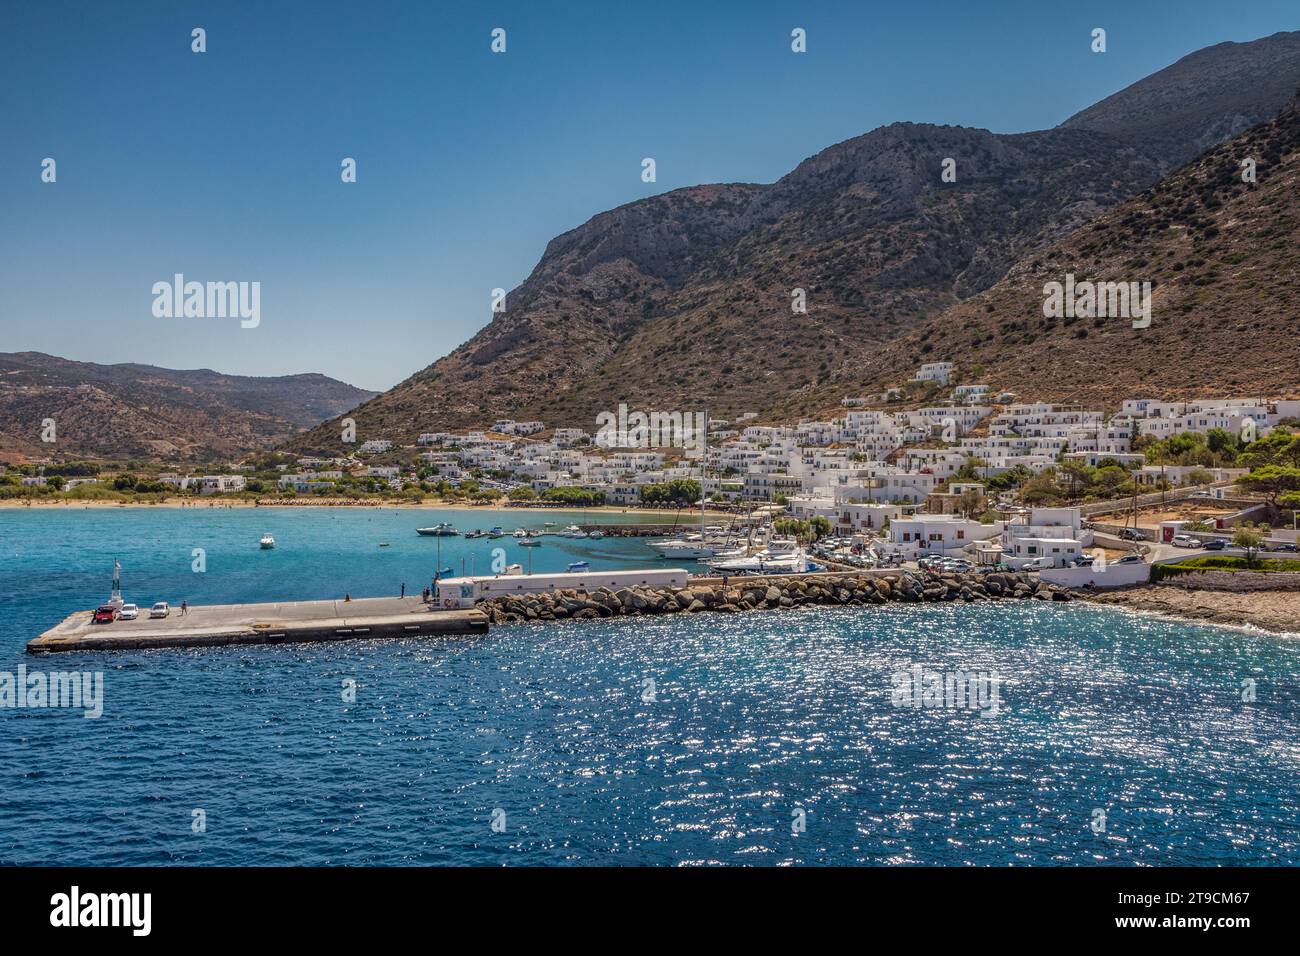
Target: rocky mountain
{"x": 685, "y": 299}
{"x": 1223, "y": 259}
{"x": 1198, "y": 102}
{"x": 128, "y": 410}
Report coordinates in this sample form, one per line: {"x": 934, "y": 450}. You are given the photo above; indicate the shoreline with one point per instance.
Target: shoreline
{"x": 1274, "y": 612}
{"x": 201, "y": 504}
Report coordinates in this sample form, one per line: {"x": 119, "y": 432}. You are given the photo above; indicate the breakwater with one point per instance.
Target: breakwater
{"x": 784, "y": 591}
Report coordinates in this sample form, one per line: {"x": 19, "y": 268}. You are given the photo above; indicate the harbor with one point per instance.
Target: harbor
{"x": 271, "y": 623}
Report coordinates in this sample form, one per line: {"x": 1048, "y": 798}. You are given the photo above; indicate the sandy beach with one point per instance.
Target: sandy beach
{"x": 1277, "y": 611}
{"x": 216, "y": 504}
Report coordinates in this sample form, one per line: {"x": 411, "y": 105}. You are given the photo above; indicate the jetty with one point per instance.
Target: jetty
{"x": 286, "y": 622}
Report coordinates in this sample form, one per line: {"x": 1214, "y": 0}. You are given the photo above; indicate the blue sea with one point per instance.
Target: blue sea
{"x": 768, "y": 738}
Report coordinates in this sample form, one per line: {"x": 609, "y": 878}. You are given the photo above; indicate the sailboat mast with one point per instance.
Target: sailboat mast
{"x": 704, "y": 467}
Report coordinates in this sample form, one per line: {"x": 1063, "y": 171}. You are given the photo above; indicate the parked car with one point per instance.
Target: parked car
{"x": 104, "y": 614}
{"x": 1286, "y": 547}
{"x": 161, "y": 609}
{"x": 129, "y": 612}
{"x": 1185, "y": 541}
{"x": 1214, "y": 544}
{"x": 1040, "y": 564}
{"x": 1084, "y": 561}
{"x": 1131, "y": 534}
{"x": 1130, "y": 559}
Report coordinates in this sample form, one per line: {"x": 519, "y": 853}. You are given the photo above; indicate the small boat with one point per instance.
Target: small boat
{"x": 520, "y": 533}
{"x": 383, "y": 544}
{"x": 268, "y": 541}
{"x": 476, "y": 533}
{"x": 577, "y": 566}
{"x": 532, "y": 541}
{"x": 595, "y": 533}
{"x": 442, "y": 574}
{"x": 441, "y": 530}
{"x": 781, "y": 556}
{"x": 572, "y": 531}
{"x": 496, "y": 532}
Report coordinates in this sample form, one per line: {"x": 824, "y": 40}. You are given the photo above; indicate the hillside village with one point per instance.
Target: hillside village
{"x": 970, "y": 473}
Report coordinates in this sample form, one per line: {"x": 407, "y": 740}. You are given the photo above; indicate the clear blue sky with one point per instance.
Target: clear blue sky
{"x": 225, "y": 165}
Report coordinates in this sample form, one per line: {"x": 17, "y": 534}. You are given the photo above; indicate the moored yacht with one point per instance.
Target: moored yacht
{"x": 781, "y": 556}
{"x": 440, "y": 530}
{"x": 268, "y": 541}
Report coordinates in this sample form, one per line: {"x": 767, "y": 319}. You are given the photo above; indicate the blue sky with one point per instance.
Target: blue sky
{"x": 225, "y": 165}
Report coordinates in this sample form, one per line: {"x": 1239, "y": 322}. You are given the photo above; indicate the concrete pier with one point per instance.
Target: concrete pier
{"x": 280, "y": 623}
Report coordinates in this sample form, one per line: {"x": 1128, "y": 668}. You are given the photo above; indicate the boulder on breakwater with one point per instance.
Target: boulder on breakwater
{"x": 742, "y": 594}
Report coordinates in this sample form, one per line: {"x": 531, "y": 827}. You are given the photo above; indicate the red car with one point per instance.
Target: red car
{"x": 104, "y": 614}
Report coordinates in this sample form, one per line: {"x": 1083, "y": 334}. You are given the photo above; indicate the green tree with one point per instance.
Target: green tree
{"x": 1272, "y": 481}
{"x": 972, "y": 502}
{"x": 1249, "y": 539}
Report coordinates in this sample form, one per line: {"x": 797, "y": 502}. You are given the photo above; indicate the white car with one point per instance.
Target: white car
{"x": 161, "y": 609}
{"x": 129, "y": 612}
{"x": 1185, "y": 541}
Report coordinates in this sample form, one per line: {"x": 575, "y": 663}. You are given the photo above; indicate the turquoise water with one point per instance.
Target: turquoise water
{"x": 755, "y": 722}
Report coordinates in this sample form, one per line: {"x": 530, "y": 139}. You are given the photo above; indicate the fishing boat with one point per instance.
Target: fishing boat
{"x": 476, "y": 533}
{"x": 440, "y": 530}
{"x": 530, "y": 541}
{"x": 268, "y": 541}
{"x": 577, "y": 566}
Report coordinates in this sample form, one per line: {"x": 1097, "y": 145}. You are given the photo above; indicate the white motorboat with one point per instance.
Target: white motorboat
{"x": 781, "y": 556}
{"x": 267, "y": 541}
{"x": 520, "y": 533}
{"x": 441, "y": 530}
{"x": 595, "y": 533}
{"x": 683, "y": 548}
{"x": 572, "y": 531}
{"x": 695, "y": 546}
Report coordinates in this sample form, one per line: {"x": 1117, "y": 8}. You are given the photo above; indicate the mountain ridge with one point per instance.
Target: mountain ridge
{"x": 130, "y": 409}
{"x": 683, "y": 299}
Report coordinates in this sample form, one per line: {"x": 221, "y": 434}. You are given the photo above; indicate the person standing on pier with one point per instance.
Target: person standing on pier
{"x": 403, "y": 589}
{"x": 185, "y": 608}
